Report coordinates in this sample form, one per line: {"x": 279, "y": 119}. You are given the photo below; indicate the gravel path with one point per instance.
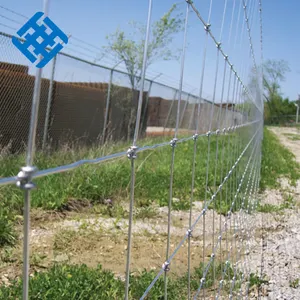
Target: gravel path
{"x": 276, "y": 254}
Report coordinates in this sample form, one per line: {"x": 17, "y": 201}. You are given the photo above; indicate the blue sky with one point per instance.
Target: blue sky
{"x": 91, "y": 20}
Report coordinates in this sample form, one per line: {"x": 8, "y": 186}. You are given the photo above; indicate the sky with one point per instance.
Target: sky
{"x": 90, "y": 21}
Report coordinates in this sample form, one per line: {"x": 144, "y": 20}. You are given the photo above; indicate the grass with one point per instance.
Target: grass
{"x": 288, "y": 203}
{"x": 111, "y": 180}
{"x": 255, "y": 280}
{"x": 295, "y": 283}
{"x": 277, "y": 161}
{"x": 70, "y": 282}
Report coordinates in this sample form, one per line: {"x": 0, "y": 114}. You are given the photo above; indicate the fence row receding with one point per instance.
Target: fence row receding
{"x": 205, "y": 153}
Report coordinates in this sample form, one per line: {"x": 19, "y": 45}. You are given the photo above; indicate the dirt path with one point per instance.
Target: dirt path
{"x": 290, "y": 137}
{"x": 277, "y": 254}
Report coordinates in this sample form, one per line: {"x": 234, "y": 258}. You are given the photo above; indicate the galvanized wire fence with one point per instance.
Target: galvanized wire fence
{"x": 86, "y": 104}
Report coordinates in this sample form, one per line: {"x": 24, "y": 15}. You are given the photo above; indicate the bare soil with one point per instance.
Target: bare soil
{"x": 84, "y": 237}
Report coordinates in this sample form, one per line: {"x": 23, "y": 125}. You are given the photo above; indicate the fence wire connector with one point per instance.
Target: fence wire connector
{"x": 207, "y": 27}
{"x": 220, "y": 237}
{"x": 173, "y": 142}
{"x": 189, "y": 1}
{"x": 218, "y": 45}
{"x": 166, "y": 266}
{"x": 202, "y": 280}
{"x": 195, "y": 137}
{"x": 208, "y": 133}
{"x": 189, "y": 233}
{"x": 218, "y": 131}
{"x": 226, "y": 57}
{"x": 24, "y": 178}
{"x": 212, "y": 255}
{"x": 131, "y": 152}
{"x": 224, "y": 130}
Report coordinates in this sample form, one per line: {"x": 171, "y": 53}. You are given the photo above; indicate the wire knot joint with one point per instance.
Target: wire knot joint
{"x": 173, "y": 142}
{"x": 207, "y": 27}
{"x": 131, "y": 152}
{"x": 24, "y": 178}
{"x": 189, "y": 233}
{"x": 166, "y": 266}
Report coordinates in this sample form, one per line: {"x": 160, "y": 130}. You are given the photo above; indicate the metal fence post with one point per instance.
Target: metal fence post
{"x": 297, "y": 113}
{"x": 184, "y": 109}
{"x": 147, "y": 100}
{"x": 49, "y": 101}
{"x": 108, "y": 101}
{"x": 170, "y": 110}
{"x": 107, "y": 106}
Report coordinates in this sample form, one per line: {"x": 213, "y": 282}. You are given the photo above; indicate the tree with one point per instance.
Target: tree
{"x": 274, "y": 73}
{"x": 129, "y": 48}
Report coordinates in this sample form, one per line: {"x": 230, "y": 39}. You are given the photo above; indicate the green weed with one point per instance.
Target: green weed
{"x": 257, "y": 281}
{"x": 70, "y": 282}
{"x": 295, "y": 283}
{"x": 288, "y": 203}
{"x": 277, "y": 161}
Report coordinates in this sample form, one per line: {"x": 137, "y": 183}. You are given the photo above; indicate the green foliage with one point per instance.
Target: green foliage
{"x": 295, "y": 283}
{"x": 268, "y": 208}
{"x": 255, "y": 280}
{"x": 111, "y": 180}
{"x": 67, "y": 282}
{"x": 276, "y": 105}
{"x": 129, "y": 47}
{"x": 277, "y": 161}
{"x": 288, "y": 203}
{"x": 279, "y": 110}
{"x": 70, "y": 282}
{"x": 8, "y": 235}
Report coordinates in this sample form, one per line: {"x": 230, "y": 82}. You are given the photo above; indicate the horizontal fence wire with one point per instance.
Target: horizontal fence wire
{"x": 77, "y": 164}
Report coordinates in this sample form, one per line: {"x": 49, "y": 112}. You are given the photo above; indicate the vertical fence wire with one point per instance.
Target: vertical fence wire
{"x": 132, "y": 151}
{"x": 173, "y": 145}
{"x": 218, "y": 132}
{"x": 195, "y": 152}
{"x": 206, "y": 27}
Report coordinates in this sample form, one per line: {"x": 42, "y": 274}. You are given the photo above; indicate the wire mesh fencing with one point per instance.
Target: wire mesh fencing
{"x": 149, "y": 139}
